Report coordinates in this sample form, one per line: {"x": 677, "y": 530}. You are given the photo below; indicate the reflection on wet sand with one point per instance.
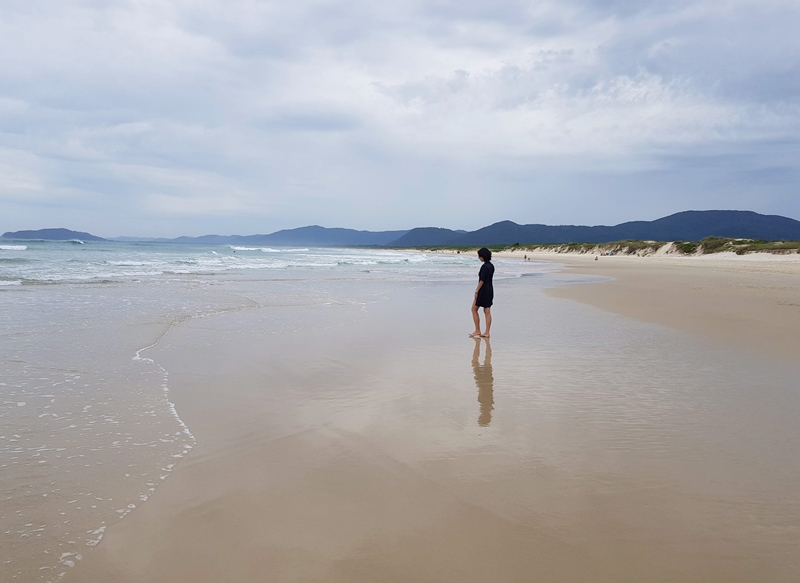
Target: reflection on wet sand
{"x": 484, "y": 381}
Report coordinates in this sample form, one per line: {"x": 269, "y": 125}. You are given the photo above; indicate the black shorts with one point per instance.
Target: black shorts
{"x": 484, "y": 300}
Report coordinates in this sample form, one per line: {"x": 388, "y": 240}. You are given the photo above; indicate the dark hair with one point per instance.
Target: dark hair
{"x": 485, "y": 253}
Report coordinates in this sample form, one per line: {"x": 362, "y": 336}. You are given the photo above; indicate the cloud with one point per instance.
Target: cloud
{"x": 19, "y": 175}
{"x": 165, "y": 204}
{"x": 310, "y": 121}
{"x": 281, "y": 114}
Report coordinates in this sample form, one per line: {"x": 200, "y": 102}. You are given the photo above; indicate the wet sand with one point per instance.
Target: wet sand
{"x": 752, "y": 304}
{"x": 383, "y": 445}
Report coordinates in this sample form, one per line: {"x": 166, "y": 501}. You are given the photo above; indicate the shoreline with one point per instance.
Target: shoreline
{"x": 340, "y": 454}
{"x": 722, "y": 257}
{"x": 748, "y": 303}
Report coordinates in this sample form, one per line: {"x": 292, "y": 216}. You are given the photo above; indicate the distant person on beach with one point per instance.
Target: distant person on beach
{"x": 484, "y": 293}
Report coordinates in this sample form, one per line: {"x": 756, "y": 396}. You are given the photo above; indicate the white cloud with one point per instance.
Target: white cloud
{"x": 191, "y": 204}
{"x": 19, "y": 176}
{"x": 302, "y": 112}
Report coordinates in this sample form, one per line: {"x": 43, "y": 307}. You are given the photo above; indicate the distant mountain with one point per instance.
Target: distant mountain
{"x": 426, "y": 237}
{"x": 51, "y": 235}
{"x": 213, "y": 239}
{"x": 507, "y": 232}
{"x": 316, "y": 235}
{"x": 311, "y": 236}
{"x": 683, "y": 226}
{"x": 695, "y": 225}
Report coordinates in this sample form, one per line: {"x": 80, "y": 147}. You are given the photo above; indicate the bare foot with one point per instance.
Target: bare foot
{"x": 484, "y": 336}
{"x": 475, "y": 334}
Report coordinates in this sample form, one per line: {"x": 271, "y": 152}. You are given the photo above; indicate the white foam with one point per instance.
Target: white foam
{"x": 262, "y": 249}
{"x": 97, "y": 533}
{"x": 13, "y": 247}
{"x": 165, "y": 385}
{"x": 132, "y": 263}
{"x": 127, "y": 263}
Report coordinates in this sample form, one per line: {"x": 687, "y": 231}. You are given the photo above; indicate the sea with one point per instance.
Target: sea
{"x": 87, "y": 427}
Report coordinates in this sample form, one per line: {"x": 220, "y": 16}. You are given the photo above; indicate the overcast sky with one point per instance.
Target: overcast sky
{"x": 187, "y": 117}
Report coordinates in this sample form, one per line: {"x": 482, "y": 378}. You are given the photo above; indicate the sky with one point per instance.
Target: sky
{"x": 191, "y": 117}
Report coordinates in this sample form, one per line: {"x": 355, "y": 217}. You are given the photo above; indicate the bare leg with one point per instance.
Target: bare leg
{"x": 487, "y": 312}
{"x": 477, "y": 320}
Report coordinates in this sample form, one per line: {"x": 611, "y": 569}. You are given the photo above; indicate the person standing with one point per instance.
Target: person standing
{"x": 484, "y": 294}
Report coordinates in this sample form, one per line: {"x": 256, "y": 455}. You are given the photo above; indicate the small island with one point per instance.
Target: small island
{"x": 50, "y": 235}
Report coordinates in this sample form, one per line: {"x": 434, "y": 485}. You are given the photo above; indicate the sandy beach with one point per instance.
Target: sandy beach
{"x": 750, "y": 303}
{"x": 648, "y": 440}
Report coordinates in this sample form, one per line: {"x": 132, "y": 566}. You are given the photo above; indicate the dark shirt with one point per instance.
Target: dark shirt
{"x": 486, "y": 293}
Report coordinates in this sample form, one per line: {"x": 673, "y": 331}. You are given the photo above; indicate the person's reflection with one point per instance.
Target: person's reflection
{"x": 484, "y": 381}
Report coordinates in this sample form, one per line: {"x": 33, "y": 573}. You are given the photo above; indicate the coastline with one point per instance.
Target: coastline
{"x": 341, "y": 453}
{"x": 749, "y": 303}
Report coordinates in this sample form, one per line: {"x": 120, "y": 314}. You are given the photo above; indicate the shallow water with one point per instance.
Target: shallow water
{"x": 87, "y": 426}
{"x": 650, "y": 454}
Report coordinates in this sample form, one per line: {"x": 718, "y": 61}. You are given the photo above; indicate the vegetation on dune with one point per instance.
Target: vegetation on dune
{"x": 744, "y": 246}
{"x": 619, "y": 247}
{"x": 715, "y": 244}
{"x": 687, "y": 247}
{"x": 703, "y": 247}
{"x": 741, "y": 247}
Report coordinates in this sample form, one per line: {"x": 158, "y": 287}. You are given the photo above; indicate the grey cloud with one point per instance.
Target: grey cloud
{"x": 405, "y": 110}
{"x": 310, "y": 122}
{"x": 752, "y": 53}
{"x": 429, "y": 90}
{"x": 504, "y": 11}
{"x": 283, "y": 31}
{"x": 626, "y": 9}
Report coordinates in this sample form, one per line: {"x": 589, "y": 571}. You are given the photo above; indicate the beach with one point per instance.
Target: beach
{"x": 378, "y": 459}
{"x": 750, "y": 303}
{"x": 344, "y": 428}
